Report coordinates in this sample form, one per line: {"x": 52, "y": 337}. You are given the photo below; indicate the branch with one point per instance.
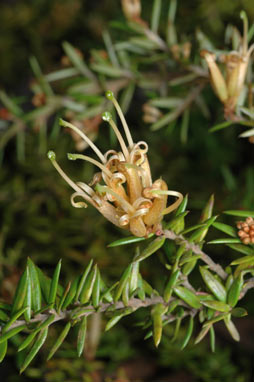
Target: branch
{"x": 180, "y": 239}
{"x": 249, "y": 285}
{"x": 134, "y": 303}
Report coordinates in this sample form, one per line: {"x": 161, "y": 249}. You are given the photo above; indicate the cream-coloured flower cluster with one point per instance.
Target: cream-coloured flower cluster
{"x": 123, "y": 190}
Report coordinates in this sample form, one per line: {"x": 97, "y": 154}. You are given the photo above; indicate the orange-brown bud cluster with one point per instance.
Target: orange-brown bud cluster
{"x": 246, "y": 230}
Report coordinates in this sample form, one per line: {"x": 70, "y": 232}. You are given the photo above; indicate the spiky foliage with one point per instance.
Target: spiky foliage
{"x": 41, "y": 302}
{"x": 163, "y": 65}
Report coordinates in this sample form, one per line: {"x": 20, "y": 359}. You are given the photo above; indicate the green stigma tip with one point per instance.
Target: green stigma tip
{"x": 106, "y": 116}
{"x": 243, "y": 15}
{"x": 109, "y": 94}
{"x": 71, "y": 156}
{"x": 61, "y": 122}
{"x": 51, "y": 155}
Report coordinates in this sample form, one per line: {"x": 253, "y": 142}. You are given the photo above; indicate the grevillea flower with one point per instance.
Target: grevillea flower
{"x": 122, "y": 190}
{"x": 228, "y": 89}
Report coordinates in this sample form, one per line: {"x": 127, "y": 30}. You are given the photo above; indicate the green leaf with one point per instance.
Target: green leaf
{"x": 28, "y": 340}
{"x": 111, "y": 71}
{"x": 83, "y": 279}
{"x": 106, "y": 292}
{"x": 243, "y": 214}
{"x": 177, "y": 223}
{"x": 217, "y": 305}
{"x": 45, "y": 87}
{"x": 117, "y": 317}
{"x": 81, "y": 336}
{"x": 221, "y": 126}
{"x": 229, "y": 282}
{"x": 157, "y": 313}
{"x": 54, "y": 284}
{"x": 61, "y": 74}
{"x": 199, "y": 235}
{"x": 213, "y": 284}
{"x": 96, "y": 290}
{"x": 124, "y": 279}
{"x": 242, "y": 248}
{"x": 12, "y": 107}
{"x": 143, "y": 42}
{"x": 3, "y": 316}
{"x": 225, "y": 228}
{"x": 244, "y": 267}
{"x": 14, "y": 318}
{"x": 28, "y": 299}
{"x": 79, "y": 312}
{"x": 247, "y": 133}
{"x": 239, "y": 312}
{"x": 188, "y": 259}
{"x": 225, "y": 241}
{"x": 182, "y": 206}
{"x": 36, "y": 347}
{"x": 127, "y": 96}
{"x": 173, "y": 305}
{"x": 202, "y": 333}
{"x": 207, "y": 210}
{"x": 231, "y": 328}
{"x": 154, "y": 246}
{"x": 141, "y": 290}
{"x": 156, "y": 11}
{"x": 190, "y": 229}
{"x": 59, "y": 340}
{"x": 187, "y": 296}
{"x": 188, "y": 333}
{"x": 11, "y": 333}
{"x": 5, "y": 306}
{"x": 87, "y": 290}
{"x": 245, "y": 259}
{"x": 20, "y": 293}
{"x": 113, "y": 321}
{"x": 212, "y": 339}
{"x": 63, "y": 297}
{"x": 189, "y": 265}
{"x": 35, "y": 286}
{"x": 72, "y": 293}
{"x": 165, "y": 120}
{"x": 213, "y": 320}
{"x": 126, "y": 294}
{"x": 235, "y": 290}
{"x": 134, "y": 276}
{"x": 77, "y": 61}
{"x": 148, "y": 289}
{"x": 110, "y": 48}
{"x": 30, "y": 337}
{"x": 166, "y": 103}
{"x": 45, "y": 282}
{"x": 129, "y": 240}
{"x": 170, "y": 284}
{"x": 3, "y": 350}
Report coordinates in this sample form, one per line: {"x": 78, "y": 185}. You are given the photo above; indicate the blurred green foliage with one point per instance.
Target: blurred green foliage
{"x": 37, "y": 219}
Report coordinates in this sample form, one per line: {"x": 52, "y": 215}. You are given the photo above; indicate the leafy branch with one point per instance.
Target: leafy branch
{"x": 40, "y": 302}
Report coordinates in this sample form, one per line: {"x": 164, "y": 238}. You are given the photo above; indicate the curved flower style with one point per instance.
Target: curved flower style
{"x": 128, "y": 197}
{"x": 236, "y": 63}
